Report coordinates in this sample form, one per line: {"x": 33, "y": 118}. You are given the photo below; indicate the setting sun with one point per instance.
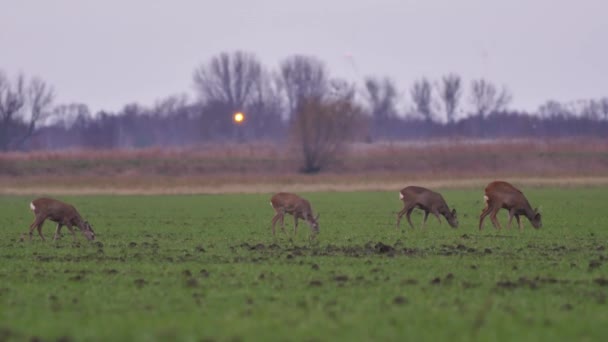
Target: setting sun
{"x": 238, "y": 117}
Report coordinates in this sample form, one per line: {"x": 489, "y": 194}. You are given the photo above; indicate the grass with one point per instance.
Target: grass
{"x": 207, "y": 267}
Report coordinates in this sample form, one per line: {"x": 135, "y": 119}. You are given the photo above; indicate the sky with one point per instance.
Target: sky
{"x": 110, "y": 53}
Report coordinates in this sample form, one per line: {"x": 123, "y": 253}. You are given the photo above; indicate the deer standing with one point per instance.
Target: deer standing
{"x": 288, "y": 203}
{"x": 499, "y": 195}
{"x": 427, "y": 200}
{"x": 62, "y": 213}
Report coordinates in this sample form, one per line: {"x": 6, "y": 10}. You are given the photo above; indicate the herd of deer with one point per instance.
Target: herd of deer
{"x": 498, "y": 195}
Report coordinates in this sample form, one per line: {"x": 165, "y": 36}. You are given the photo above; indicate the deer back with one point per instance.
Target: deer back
{"x": 56, "y": 211}
{"x": 506, "y": 195}
{"x": 423, "y": 196}
{"x": 290, "y": 203}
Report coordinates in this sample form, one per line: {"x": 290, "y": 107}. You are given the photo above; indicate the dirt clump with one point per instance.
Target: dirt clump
{"x": 399, "y": 300}
{"x": 382, "y": 248}
{"x": 139, "y": 283}
{"x": 341, "y": 278}
{"x": 315, "y": 283}
{"x": 601, "y": 281}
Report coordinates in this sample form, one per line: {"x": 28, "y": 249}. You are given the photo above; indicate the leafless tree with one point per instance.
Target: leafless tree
{"x": 229, "y": 78}
{"x": 487, "y": 99}
{"x": 422, "y": 95}
{"x": 303, "y": 78}
{"x": 591, "y": 109}
{"x": 264, "y": 114}
{"x": 450, "y": 91}
{"x": 170, "y": 105}
{"x": 23, "y": 107}
{"x": 237, "y": 82}
{"x": 321, "y": 127}
{"x": 67, "y": 114}
{"x": 604, "y": 107}
{"x": 554, "y": 109}
{"x": 382, "y": 98}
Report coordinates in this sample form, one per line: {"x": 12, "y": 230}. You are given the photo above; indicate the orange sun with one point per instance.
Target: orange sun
{"x": 238, "y": 117}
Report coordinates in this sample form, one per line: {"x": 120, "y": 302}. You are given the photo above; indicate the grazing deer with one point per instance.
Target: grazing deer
{"x": 284, "y": 202}
{"x": 500, "y": 195}
{"x": 62, "y": 213}
{"x": 427, "y": 200}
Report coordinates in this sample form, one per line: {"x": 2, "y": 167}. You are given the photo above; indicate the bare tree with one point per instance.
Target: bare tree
{"x": 595, "y": 109}
{"x": 170, "y": 105}
{"x": 23, "y": 107}
{"x": 67, "y": 114}
{"x": 422, "y": 95}
{"x": 450, "y": 91}
{"x": 321, "y": 127}
{"x": 228, "y": 79}
{"x": 265, "y": 111}
{"x": 554, "y": 109}
{"x": 487, "y": 99}
{"x": 604, "y": 107}
{"x": 382, "y": 99}
{"x": 303, "y": 78}
{"x": 230, "y": 83}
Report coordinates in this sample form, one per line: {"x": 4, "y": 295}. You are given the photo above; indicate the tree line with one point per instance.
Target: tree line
{"x": 299, "y": 102}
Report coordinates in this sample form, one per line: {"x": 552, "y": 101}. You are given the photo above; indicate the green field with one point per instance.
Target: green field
{"x": 208, "y": 268}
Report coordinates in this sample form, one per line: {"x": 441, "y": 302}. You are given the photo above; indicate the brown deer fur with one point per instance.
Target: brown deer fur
{"x": 288, "y": 203}
{"x": 427, "y": 200}
{"x": 62, "y": 213}
{"x": 502, "y": 195}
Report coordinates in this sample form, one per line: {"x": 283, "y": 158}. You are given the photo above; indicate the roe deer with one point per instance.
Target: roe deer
{"x": 500, "y": 195}
{"x": 284, "y": 202}
{"x": 427, "y": 200}
{"x": 62, "y": 213}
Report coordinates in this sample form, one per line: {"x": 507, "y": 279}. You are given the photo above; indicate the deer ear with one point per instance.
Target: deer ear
{"x": 454, "y": 211}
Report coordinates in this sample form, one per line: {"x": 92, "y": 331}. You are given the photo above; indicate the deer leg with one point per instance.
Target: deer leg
{"x": 39, "y": 228}
{"x": 37, "y": 221}
{"x": 31, "y": 230}
{"x": 283, "y": 222}
{"x": 511, "y": 214}
{"x": 521, "y": 226}
{"x": 295, "y": 224}
{"x": 71, "y": 231}
{"x": 274, "y": 222}
{"x": 407, "y": 208}
{"x": 437, "y": 216}
{"x": 399, "y": 215}
{"x": 57, "y": 231}
{"x": 426, "y": 216}
{"x": 408, "y": 216}
{"x": 495, "y": 219}
{"x": 483, "y": 215}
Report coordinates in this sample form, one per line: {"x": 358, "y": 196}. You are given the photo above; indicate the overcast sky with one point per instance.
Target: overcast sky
{"x": 108, "y": 53}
